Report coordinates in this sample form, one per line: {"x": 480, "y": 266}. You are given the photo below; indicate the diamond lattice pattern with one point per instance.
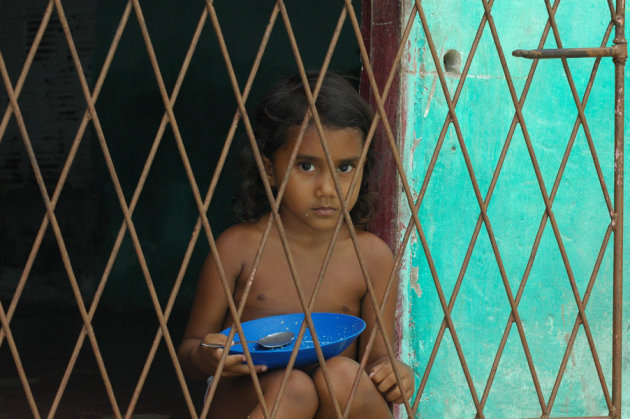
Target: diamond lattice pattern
{"x": 457, "y": 213}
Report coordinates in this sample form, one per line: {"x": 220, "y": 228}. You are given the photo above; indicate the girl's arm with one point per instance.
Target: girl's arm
{"x": 380, "y": 263}
{"x": 209, "y": 311}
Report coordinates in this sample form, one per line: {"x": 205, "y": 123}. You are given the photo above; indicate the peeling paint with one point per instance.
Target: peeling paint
{"x": 415, "y": 285}
{"x": 431, "y": 94}
{"x": 449, "y": 212}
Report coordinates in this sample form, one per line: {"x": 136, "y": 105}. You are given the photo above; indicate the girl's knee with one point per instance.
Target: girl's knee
{"x": 299, "y": 397}
{"x": 366, "y": 401}
{"x": 343, "y": 373}
{"x": 300, "y": 387}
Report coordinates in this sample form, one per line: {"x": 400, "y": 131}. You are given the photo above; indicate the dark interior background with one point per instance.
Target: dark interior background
{"x": 130, "y": 109}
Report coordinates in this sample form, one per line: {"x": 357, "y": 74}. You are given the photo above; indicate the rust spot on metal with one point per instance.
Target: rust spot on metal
{"x": 566, "y": 53}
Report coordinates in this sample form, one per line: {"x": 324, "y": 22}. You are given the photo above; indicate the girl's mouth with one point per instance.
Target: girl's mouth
{"x": 324, "y": 211}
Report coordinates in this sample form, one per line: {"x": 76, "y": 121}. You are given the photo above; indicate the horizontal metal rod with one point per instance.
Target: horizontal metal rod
{"x": 576, "y": 417}
{"x": 570, "y": 52}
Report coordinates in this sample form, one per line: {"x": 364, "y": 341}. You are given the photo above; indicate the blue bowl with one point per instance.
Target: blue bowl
{"x": 335, "y": 333}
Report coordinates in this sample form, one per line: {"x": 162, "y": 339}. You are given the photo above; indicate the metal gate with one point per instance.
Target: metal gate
{"x": 385, "y": 123}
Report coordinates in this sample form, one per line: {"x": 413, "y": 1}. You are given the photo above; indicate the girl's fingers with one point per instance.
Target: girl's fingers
{"x": 233, "y": 360}
{"x": 394, "y": 395}
{"x": 236, "y": 365}
{"x": 409, "y": 391}
{"x": 384, "y": 379}
{"x": 379, "y": 372}
{"x": 386, "y": 384}
{"x": 218, "y": 353}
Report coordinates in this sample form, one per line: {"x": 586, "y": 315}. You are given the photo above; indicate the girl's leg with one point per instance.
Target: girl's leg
{"x": 236, "y": 397}
{"x": 298, "y": 401}
{"x": 367, "y": 402}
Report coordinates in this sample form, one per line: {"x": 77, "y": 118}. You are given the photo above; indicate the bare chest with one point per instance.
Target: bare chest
{"x": 274, "y": 288}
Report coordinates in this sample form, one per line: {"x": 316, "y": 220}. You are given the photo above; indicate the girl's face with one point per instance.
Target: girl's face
{"x": 310, "y": 198}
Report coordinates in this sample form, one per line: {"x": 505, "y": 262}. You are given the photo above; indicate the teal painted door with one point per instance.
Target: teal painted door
{"x": 508, "y": 282}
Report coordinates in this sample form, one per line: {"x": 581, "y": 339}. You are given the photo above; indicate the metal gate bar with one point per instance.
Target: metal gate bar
{"x": 486, "y": 203}
{"x": 544, "y": 219}
{"x": 55, "y": 227}
{"x": 619, "y": 54}
{"x": 273, "y": 201}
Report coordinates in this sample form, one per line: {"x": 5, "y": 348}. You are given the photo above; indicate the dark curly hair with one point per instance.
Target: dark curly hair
{"x": 278, "y": 115}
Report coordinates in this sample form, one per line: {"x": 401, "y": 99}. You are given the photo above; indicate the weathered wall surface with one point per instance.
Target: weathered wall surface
{"x": 449, "y": 212}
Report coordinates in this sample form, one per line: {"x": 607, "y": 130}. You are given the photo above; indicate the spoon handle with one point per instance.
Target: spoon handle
{"x": 217, "y": 345}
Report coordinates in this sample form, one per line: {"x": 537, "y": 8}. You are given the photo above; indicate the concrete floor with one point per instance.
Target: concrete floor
{"x": 45, "y": 338}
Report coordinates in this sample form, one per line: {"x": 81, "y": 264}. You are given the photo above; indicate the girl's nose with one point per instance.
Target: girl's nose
{"x": 326, "y": 184}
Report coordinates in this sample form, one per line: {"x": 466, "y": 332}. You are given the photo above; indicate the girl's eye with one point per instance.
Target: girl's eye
{"x": 306, "y": 166}
{"x": 345, "y": 168}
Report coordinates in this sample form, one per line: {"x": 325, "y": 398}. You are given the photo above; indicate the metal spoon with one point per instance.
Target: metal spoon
{"x": 271, "y": 341}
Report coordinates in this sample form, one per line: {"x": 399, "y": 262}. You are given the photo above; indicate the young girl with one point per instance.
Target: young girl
{"x": 309, "y": 210}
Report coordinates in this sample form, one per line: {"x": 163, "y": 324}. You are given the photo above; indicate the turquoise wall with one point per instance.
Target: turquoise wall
{"x": 449, "y": 212}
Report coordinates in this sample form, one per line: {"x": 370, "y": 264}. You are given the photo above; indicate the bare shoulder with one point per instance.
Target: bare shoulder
{"x": 238, "y": 243}
{"x": 239, "y": 235}
{"x": 376, "y": 252}
{"x": 373, "y": 243}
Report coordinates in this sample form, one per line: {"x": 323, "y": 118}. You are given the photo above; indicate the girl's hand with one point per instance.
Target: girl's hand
{"x": 382, "y": 374}
{"x": 235, "y": 365}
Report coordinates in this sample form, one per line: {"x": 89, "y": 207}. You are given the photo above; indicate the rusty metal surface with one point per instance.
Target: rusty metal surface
{"x": 567, "y": 53}
{"x": 619, "y": 54}
{"x": 382, "y": 120}
{"x": 620, "y": 63}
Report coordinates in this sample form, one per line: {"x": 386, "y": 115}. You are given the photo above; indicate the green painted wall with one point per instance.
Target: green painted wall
{"x": 449, "y": 212}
